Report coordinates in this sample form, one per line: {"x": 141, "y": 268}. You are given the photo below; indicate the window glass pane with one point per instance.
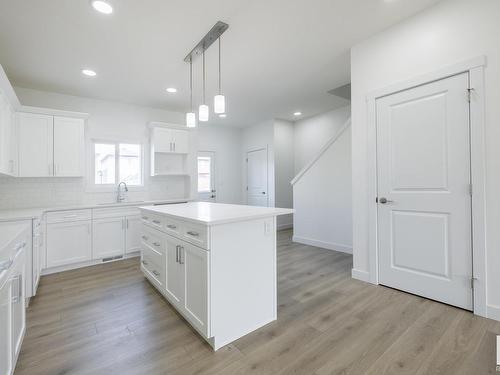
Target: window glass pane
{"x": 130, "y": 164}
{"x": 204, "y": 174}
{"x": 104, "y": 164}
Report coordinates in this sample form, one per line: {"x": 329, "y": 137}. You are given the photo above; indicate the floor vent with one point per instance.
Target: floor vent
{"x": 104, "y": 260}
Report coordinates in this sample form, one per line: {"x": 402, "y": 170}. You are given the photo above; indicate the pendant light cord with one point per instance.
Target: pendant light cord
{"x": 204, "y": 76}
{"x": 220, "y": 90}
{"x": 191, "y": 83}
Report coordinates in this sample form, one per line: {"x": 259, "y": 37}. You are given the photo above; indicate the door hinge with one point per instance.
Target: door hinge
{"x": 469, "y": 94}
{"x": 472, "y": 279}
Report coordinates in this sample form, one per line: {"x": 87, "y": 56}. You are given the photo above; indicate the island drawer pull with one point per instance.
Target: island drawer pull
{"x": 171, "y": 226}
{"x": 194, "y": 234}
{"x": 180, "y": 254}
{"x": 145, "y": 218}
{"x": 145, "y": 238}
{"x": 144, "y": 262}
{"x": 157, "y": 221}
{"x": 156, "y": 244}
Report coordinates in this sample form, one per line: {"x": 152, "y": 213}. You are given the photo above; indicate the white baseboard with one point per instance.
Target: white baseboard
{"x": 285, "y": 226}
{"x": 493, "y": 312}
{"x": 322, "y": 244}
{"x": 360, "y": 275}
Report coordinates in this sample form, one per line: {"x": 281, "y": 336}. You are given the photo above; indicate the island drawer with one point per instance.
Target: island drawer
{"x": 196, "y": 234}
{"x": 154, "y": 257}
{"x": 172, "y": 226}
{"x": 153, "y": 240}
{"x": 156, "y": 221}
{"x": 152, "y": 269}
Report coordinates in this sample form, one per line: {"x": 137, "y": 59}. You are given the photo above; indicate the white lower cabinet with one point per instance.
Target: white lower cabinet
{"x": 133, "y": 234}
{"x": 186, "y": 278}
{"x": 18, "y": 308}
{"x": 68, "y": 242}
{"x": 5, "y": 329}
{"x": 108, "y": 237}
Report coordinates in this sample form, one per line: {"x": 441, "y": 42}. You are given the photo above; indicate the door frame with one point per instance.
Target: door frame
{"x": 475, "y": 68}
{"x": 266, "y": 148}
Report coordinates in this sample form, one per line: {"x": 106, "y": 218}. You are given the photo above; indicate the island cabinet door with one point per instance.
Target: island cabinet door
{"x": 195, "y": 303}
{"x": 174, "y": 284}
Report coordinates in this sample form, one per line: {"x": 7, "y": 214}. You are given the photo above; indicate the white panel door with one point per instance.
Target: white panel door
{"x": 108, "y": 237}
{"x": 68, "y": 242}
{"x": 424, "y": 211}
{"x": 257, "y": 194}
{"x": 133, "y": 236}
{"x": 36, "y": 152}
{"x": 174, "y": 284}
{"x": 195, "y": 263}
{"x": 68, "y": 146}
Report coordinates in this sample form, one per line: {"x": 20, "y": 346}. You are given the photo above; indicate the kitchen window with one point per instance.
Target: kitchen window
{"x": 117, "y": 162}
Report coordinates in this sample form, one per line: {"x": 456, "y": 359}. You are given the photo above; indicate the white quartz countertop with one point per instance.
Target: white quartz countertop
{"x": 216, "y": 213}
{"x": 37, "y": 212}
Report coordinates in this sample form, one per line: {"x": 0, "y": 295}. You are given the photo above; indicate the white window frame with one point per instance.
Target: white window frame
{"x": 92, "y": 186}
{"x": 213, "y": 191}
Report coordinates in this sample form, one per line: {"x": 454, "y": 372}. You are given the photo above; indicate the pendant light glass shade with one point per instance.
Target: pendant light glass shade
{"x": 190, "y": 120}
{"x": 219, "y": 104}
{"x": 203, "y": 112}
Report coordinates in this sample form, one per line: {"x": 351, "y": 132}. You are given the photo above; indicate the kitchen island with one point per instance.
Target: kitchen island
{"x": 215, "y": 263}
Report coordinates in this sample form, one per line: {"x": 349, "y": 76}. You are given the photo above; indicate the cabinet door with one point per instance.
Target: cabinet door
{"x": 35, "y": 134}
{"x": 108, "y": 237}
{"x": 174, "y": 284}
{"x": 5, "y": 135}
{"x": 6, "y": 329}
{"x": 133, "y": 236}
{"x": 195, "y": 268}
{"x": 18, "y": 308}
{"x": 68, "y": 242}
{"x": 68, "y": 146}
{"x": 162, "y": 140}
{"x": 180, "y": 139}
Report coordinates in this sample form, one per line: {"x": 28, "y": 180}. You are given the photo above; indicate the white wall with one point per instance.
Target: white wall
{"x": 313, "y": 133}
{"x": 448, "y": 33}
{"x": 284, "y": 169}
{"x": 110, "y": 120}
{"x": 322, "y": 199}
{"x": 225, "y": 141}
{"x": 256, "y": 137}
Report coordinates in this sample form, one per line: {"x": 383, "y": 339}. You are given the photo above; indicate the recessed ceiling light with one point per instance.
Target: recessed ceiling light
{"x": 102, "y": 6}
{"x": 172, "y": 90}
{"x": 89, "y": 73}
{"x": 297, "y": 113}
{"x": 223, "y": 115}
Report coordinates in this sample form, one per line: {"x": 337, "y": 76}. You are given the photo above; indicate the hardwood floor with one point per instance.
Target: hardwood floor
{"x": 107, "y": 319}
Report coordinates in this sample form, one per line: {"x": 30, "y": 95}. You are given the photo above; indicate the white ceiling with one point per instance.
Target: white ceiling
{"x": 279, "y": 56}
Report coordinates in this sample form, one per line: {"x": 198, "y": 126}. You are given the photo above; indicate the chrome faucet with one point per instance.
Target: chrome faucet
{"x": 120, "y": 196}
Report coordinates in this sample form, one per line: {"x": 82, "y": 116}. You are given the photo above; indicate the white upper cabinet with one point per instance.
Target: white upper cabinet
{"x": 69, "y": 149}
{"x": 36, "y": 152}
{"x": 50, "y": 145}
{"x": 7, "y": 149}
{"x": 170, "y": 140}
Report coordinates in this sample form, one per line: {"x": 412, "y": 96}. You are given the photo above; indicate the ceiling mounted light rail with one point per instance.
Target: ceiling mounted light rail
{"x": 219, "y": 100}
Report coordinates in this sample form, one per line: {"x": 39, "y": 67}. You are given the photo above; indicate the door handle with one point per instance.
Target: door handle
{"x": 384, "y": 200}
{"x": 180, "y": 254}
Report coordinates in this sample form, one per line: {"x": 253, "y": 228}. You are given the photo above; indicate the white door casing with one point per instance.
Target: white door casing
{"x": 257, "y": 178}
{"x": 423, "y": 167}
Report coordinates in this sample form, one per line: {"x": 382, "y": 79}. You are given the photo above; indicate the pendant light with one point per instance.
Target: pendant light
{"x": 190, "y": 116}
{"x": 219, "y": 100}
{"x": 203, "y": 110}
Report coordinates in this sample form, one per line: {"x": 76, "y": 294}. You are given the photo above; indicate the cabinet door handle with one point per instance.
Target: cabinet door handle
{"x": 156, "y": 221}
{"x": 181, "y": 248}
{"x": 177, "y": 254}
{"x": 157, "y": 244}
{"x": 144, "y": 262}
{"x": 170, "y": 226}
{"x": 194, "y": 234}
{"x": 145, "y": 238}
{"x": 145, "y": 218}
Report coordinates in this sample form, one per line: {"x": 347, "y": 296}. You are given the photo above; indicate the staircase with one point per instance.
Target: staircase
{"x": 322, "y": 196}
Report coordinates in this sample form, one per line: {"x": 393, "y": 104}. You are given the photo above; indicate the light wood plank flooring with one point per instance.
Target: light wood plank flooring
{"x": 107, "y": 319}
